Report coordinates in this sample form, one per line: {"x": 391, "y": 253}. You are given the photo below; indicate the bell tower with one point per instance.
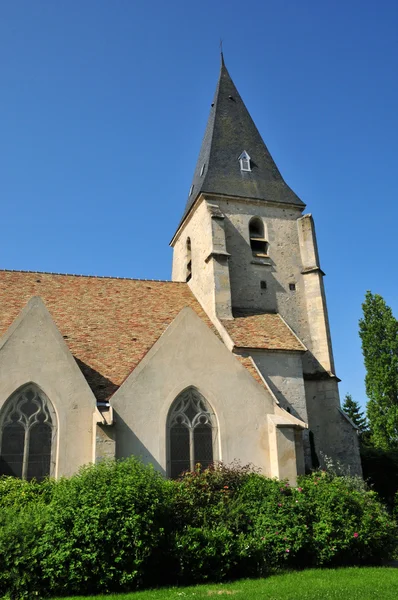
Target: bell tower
{"x": 243, "y": 243}
{"x": 246, "y": 250}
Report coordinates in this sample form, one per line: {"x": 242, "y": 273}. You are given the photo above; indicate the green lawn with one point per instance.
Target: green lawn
{"x": 379, "y": 583}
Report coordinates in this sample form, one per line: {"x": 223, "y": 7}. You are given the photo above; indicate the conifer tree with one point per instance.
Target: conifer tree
{"x": 378, "y": 330}
{"x": 353, "y": 410}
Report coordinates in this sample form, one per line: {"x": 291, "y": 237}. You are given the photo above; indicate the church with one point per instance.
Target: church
{"x": 231, "y": 360}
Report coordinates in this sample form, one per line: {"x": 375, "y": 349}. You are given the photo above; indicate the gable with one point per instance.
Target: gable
{"x": 109, "y": 324}
{"x": 189, "y": 355}
{"x": 32, "y": 350}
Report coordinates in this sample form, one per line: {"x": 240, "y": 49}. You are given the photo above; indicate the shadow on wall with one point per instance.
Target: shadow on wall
{"x": 129, "y": 444}
{"x": 101, "y": 386}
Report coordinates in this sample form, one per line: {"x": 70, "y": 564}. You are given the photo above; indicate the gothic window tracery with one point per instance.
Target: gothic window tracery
{"x": 27, "y": 432}
{"x": 191, "y": 433}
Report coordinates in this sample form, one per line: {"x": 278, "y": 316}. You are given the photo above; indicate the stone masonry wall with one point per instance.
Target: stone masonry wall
{"x": 283, "y": 267}
{"x": 210, "y": 280}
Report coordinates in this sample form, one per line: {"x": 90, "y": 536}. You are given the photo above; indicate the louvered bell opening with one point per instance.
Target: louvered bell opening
{"x": 258, "y": 246}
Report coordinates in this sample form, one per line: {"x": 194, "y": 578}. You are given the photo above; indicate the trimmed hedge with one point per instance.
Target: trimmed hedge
{"x": 120, "y": 526}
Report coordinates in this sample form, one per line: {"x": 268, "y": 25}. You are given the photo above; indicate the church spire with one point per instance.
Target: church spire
{"x": 230, "y": 136}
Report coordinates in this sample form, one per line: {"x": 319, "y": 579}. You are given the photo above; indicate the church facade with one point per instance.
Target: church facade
{"x": 231, "y": 360}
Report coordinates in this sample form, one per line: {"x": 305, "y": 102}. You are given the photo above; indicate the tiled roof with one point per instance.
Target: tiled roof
{"x": 247, "y": 362}
{"x": 109, "y": 324}
{"x": 264, "y": 331}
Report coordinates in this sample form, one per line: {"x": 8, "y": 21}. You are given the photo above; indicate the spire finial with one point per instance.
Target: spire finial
{"x": 222, "y": 54}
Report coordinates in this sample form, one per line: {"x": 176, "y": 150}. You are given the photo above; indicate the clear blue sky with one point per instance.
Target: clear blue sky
{"x": 103, "y": 105}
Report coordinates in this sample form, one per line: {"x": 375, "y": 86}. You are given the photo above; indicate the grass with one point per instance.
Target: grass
{"x": 371, "y": 583}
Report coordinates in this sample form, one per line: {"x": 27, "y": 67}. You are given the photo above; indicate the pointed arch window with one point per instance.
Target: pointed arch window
{"x": 27, "y": 434}
{"x": 189, "y": 261}
{"x": 191, "y": 432}
{"x": 258, "y": 239}
{"x": 244, "y": 160}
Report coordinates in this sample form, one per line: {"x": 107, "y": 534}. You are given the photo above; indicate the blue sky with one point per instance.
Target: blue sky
{"x": 103, "y": 106}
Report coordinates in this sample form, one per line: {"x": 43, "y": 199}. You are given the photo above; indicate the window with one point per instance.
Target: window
{"x": 202, "y": 170}
{"x": 191, "y": 433}
{"x": 292, "y": 287}
{"x": 244, "y": 160}
{"x": 258, "y": 241}
{"x": 191, "y": 190}
{"x": 188, "y": 275}
{"x": 27, "y": 431}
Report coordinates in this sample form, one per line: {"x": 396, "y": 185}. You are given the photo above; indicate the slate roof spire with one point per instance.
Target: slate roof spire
{"x": 230, "y": 131}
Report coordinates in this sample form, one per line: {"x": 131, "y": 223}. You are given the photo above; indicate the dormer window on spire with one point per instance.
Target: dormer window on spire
{"x": 244, "y": 160}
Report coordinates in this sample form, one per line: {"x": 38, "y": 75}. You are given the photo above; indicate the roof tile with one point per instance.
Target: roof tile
{"x": 267, "y": 331}
{"x": 108, "y": 324}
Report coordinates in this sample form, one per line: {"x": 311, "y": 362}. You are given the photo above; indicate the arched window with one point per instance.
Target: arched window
{"x": 189, "y": 261}
{"x": 258, "y": 241}
{"x": 27, "y": 431}
{"x": 192, "y": 432}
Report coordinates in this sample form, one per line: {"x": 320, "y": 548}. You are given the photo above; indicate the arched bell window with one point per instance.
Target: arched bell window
{"x": 27, "y": 434}
{"x": 192, "y": 433}
{"x": 189, "y": 261}
{"x": 258, "y": 240}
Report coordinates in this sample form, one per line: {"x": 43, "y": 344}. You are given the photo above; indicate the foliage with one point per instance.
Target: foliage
{"x": 325, "y": 520}
{"x": 105, "y": 527}
{"x": 23, "y": 514}
{"x": 20, "y": 573}
{"x": 378, "y": 330}
{"x": 119, "y": 525}
{"x": 102, "y": 530}
{"x": 207, "y": 522}
{"x": 19, "y": 493}
{"x": 254, "y": 524}
{"x": 353, "y": 410}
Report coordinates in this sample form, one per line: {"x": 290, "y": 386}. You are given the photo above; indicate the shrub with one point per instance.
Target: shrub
{"x": 20, "y": 572}
{"x": 206, "y": 523}
{"x": 120, "y": 525}
{"x": 203, "y": 495}
{"x": 248, "y": 524}
{"x": 105, "y": 528}
{"x": 204, "y": 553}
{"x": 276, "y": 523}
{"x": 237, "y": 511}
{"x": 23, "y": 514}
{"x": 325, "y": 520}
{"x": 19, "y": 493}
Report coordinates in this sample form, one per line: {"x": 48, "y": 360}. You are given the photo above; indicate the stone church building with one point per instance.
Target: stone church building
{"x": 232, "y": 359}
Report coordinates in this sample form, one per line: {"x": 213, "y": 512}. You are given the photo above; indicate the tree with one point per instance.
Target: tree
{"x": 378, "y": 330}
{"x": 353, "y": 410}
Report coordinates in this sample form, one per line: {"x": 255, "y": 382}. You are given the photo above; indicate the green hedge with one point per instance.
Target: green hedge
{"x": 119, "y": 526}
